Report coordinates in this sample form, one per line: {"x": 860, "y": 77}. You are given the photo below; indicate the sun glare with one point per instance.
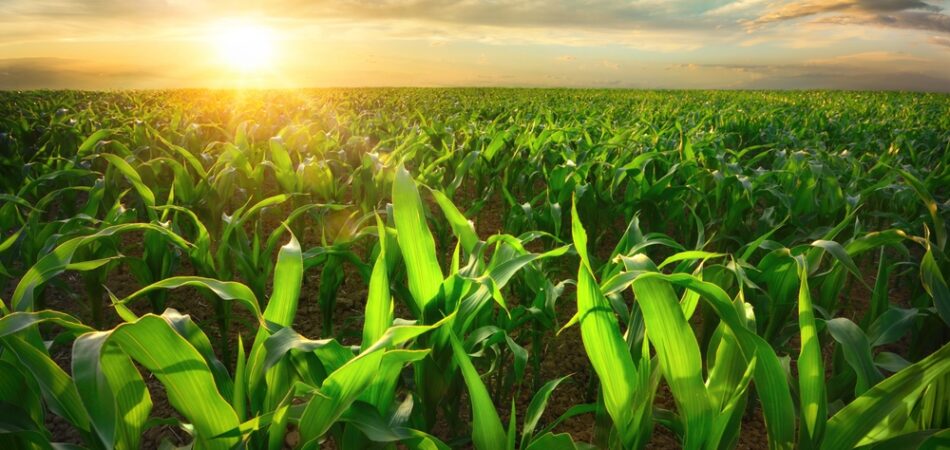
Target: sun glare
{"x": 243, "y": 45}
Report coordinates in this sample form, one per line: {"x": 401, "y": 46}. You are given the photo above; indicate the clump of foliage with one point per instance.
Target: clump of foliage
{"x": 736, "y": 253}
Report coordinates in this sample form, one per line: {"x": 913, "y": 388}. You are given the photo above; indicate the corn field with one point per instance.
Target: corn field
{"x": 474, "y": 268}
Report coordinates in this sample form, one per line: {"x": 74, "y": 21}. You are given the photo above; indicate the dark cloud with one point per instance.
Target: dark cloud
{"x": 895, "y": 81}
{"x": 62, "y": 73}
{"x": 826, "y": 75}
{"x": 561, "y": 13}
{"x": 906, "y": 14}
{"x": 594, "y": 14}
{"x": 797, "y": 10}
{"x": 683, "y": 15}
{"x": 906, "y": 20}
{"x": 89, "y": 8}
{"x": 895, "y": 5}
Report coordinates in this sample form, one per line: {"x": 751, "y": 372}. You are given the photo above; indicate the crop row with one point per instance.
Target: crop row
{"x": 188, "y": 264}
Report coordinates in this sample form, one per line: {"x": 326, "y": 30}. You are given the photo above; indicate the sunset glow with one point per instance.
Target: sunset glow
{"x": 720, "y": 44}
{"x": 244, "y": 46}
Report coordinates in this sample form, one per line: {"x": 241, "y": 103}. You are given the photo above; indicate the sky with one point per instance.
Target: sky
{"x": 689, "y": 44}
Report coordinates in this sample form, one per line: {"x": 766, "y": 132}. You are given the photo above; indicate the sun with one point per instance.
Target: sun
{"x": 243, "y": 45}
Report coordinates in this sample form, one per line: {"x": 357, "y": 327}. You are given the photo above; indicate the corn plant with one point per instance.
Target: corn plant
{"x": 732, "y": 256}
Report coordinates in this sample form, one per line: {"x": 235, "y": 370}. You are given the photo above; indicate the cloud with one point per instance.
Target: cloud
{"x": 71, "y": 73}
{"x": 940, "y": 41}
{"x": 157, "y": 43}
{"x": 865, "y": 59}
{"x": 494, "y": 12}
{"x": 907, "y": 20}
{"x": 502, "y": 13}
{"x": 905, "y": 14}
{"x": 816, "y": 79}
{"x": 797, "y": 10}
{"x": 740, "y": 6}
{"x": 860, "y": 71}
{"x": 648, "y": 25}
{"x": 62, "y": 73}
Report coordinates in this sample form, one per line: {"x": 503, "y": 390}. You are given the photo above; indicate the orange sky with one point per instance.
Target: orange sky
{"x": 111, "y": 44}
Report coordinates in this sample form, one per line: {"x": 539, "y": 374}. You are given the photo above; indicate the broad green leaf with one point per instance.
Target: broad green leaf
{"x": 337, "y": 393}
{"x": 378, "y": 314}
{"x": 18, "y": 321}
{"x": 487, "y": 430}
{"x": 58, "y": 390}
{"x": 536, "y": 408}
{"x": 811, "y": 372}
{"x": 936, "y": 285}
{"x": 461, "y": 226}
{"x": 677, "y": 351}
{"x": 92, "y": 140}
{"x": 692, "y": 254}
{"x": 857, "y": 352}
{"x": 851, "y": 424}
{"x": 129, "y": 172}
{"x": 892, "y": 325}
{"x": 112, "y": 390}
{"x": 415, "y": 240}
{"x": 604, "y": 344}
{"x": 769, "y": 374}
{"x": 59, "y": 259}
{"x": 940, "y": 230}
{"x": 188, "y": 381}
{"x": 225, "y": 290}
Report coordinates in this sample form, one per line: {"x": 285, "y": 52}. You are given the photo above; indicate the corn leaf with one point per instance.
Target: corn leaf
{"x": 415, "y": 240}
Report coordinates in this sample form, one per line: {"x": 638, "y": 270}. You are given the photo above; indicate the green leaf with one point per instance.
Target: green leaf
{"x": 769, "y": 373}
{"x": 677, "y": 351}
{"x": 58, "y": 390}
{"x": 940, "y": 230}
{"x": 851, "y": 424}
{"x": 461, "y": 226}
{"x": 18, "y": 321}
{"x": 604, "y": 344}
{"x": 59, "y": 259}
{"x": 839, "y": 253}
{"x": 939, "y": 440}
{"x": 487, "y": 430}
{"x": 811, "y": 372}
{"x": 415, "y": 240}
{"x": 340, "y": 389}
{"x": 892, "y": 325}
{"x": 935, "y": 285}
{"x": 551, "y": 441}
{"x": 152, "y": 342}
{"x": 378, "y": 429}
{"x": 536, "y": 408}
{"x": 92, "y": 140}
{"x": 857, "y": 352}
{"x": 692, "y": 254}
{"x": 148, "y": 198}
{"x": 112, "y": 390}
{"x": 378, "y": 314}
{"x": 288, "y": 275}
{"x": 226, "y": 290}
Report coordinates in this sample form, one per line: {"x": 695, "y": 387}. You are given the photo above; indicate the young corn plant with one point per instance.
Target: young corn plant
{"x": 285, "y": 381}
{"x": 465, "y": 294}
{"x": 706, "y": 409}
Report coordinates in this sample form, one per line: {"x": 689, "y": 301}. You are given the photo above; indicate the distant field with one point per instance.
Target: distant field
{"x": 488, "y": 268}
